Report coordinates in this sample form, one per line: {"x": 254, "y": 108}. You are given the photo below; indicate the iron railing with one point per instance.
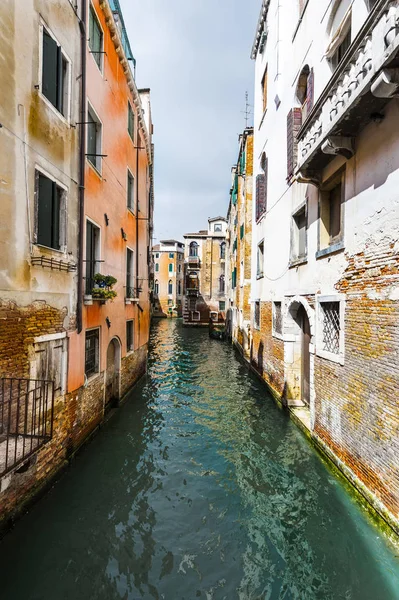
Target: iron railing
{"x": 26, "y": 419}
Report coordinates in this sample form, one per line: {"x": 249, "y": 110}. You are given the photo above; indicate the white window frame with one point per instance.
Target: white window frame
{"x": 64, "y": 234}
{"x": 276, "y": 334}
{"x": 130, "y": 350}
{"x": 67, "y": 117}
{"x": 195, "y": 315}
{"x": 320, "y": 299}
{"x": 97, "y": 373}
{"x": 101, "y": 69}
{"x": 130, "y": 208}
{"x": 99, "y": 148}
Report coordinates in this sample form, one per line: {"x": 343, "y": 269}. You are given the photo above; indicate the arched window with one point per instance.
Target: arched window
{"x": 223, "y": 250}
{"x": 305, "y": 91}
{"x": 221, "y": 284}
{"x": 193, "y": 249}
{"x": 156, "y": 287}
{"x": 170, "y": 287}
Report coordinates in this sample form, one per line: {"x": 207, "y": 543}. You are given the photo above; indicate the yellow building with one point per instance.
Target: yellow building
{"x": 205, "y": 257}
{"x": 239, "y": 240}
{"x": 168, "y": 257}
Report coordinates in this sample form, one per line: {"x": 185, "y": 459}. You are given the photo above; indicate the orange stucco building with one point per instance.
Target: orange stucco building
{"x": 168, "y": 258}
{"x": 110, "y": 350}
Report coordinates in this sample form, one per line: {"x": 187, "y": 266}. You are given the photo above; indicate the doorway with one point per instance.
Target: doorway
{"x": 112, "y": 379}
{"x": 298, "y": 353}
{"x": 305, "y": 354}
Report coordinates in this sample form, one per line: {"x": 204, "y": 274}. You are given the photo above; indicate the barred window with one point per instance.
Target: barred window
{"x": 331, "y": 326}
{"x": 277, "y": 318}
{"x": 92, "y": 352}
{"x": 129, "y": 336}
{"x": 257, "y": 314}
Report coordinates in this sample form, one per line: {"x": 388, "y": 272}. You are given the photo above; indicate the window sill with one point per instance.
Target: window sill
{"x": 50, "y": 249}
{"x": 101, "y": 69}
{"x": 259, "y": 276}
{"x": 278, "y": 336}
{"x": 54, "y": 109}
{"x": 130, "y": 352}
{"x": 335, "y": 358}
{"x": 131, "y": 211}
{"x": 298, "y": 262}
{"x": 338, "y": 247}
{"x": 92, "y": 378}
{"x": 94, "y": 169}
{"x": 260, "y": 218}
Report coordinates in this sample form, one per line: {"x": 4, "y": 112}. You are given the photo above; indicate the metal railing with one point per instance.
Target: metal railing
{"x": 26, "y": 419}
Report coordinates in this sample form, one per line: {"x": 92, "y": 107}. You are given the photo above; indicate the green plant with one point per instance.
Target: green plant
{"x": 103, "y": 285}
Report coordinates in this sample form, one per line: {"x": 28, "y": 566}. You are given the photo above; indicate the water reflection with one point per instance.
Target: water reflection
{"x": 199, "y": 488}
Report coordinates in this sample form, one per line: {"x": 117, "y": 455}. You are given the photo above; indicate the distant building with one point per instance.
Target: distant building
{"x": 168, "y": 259}
{"x": 239, "y": 240}
{"x": 205, "y": 283}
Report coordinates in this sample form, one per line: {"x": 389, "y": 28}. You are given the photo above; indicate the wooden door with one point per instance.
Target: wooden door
{"x": 305, "y": 356}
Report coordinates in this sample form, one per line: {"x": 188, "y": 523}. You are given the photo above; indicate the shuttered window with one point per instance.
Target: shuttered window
{"x": 129, "y": 273}
{"x": 50, "y": 213}
{"x": 94, "y": 141}
{"x": 54, "y": 73}
{"x": 261, "y": 193}
{"x": 241, "y": 232}
{"x": 310, "y": 92}
{"x": 130, "y": 120}
{"x": 49, "y": 362}
{"x": 130, "y": 191}
{"x": 294, "y": 122}
{"x": 264, "y": 90}
{"x": 235, "y": 190}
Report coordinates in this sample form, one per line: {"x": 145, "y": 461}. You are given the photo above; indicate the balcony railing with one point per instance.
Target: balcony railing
{"x": 26, "y": 419}
{"x": 193, "y": 261}
{"x": 350, "y": 97}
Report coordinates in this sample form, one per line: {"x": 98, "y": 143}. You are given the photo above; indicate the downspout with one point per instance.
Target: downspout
{"x": 82, "y": 164}
{"x": 210, "y": 283}
{"x": 137, "y": 219}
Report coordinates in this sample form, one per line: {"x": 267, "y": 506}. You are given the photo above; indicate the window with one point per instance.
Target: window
{"x": 55, "y": 74}
{"x": 242, "y": 273}
{"x": 170, "y": 302}
{"x": 217, "y": 227}
{"x": 193, "y": 249}
{"x": 339, "y": 28}
{"x": 222, "y": 285}
{"x": 341, "y": 49}
{"x": 261, "y": 188}
{"x": 330, "y": 312}
{"x": 157, "y": 267}
{"x": 223, "y": 250}
{"x": 222, "y": 305}
{"x": 129, "y": 336}
{"x": 92, "y": 254}
{"x": 305, "y": 91}
{"x": 241, "y": 231}
{"x": 50, "y": 362}
{"x": 260, "y": 259}
{"x": 130, "y": 121}
{"x": 170, "y": 267}
{"x": 179, "y": 288}
{"x": 179, "y": 268}
{"x": 130, "y": 191}
{"x": 157, "y": 255}
{"x": 277, "y": 319}
{"x": 129, "y": 274}
{"x": 264, "y": 90}
{"x": 299, "y": 235}
{"x": 331, "y": 212}
{"x": 257, "y": 314}
{"x": 50, "y": 211}
{"x": 234, "y": 278}
{"x": 213, "y": 315}
{"x": 171, "y": 255}
{"x": 92, "y": 352}
{"x": 95, "y": 38}
{"x": 294, "y": 123}
{"x": 196, "y": 315}
{"x": 170, "y": 287}
{"x": 156, "y": 287}
{"x": 94, "y": 131}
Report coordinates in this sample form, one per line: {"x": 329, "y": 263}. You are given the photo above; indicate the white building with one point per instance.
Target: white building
{"x": 325, "y": 250}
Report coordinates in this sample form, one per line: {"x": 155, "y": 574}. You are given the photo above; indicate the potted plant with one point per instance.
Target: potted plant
{"x": 102, "y": 289}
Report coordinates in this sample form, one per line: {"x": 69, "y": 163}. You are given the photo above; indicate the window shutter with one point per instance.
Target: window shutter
{"x": 310, "y": 92}
{"x": 45, "y": 211}
{"x": 260, "y": 195}
{"x": 63, "y": 237}
{"x": 294, "y": 122}
{"x": 50, "y": 67}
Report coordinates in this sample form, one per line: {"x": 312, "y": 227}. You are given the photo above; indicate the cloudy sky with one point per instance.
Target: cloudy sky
{"x": 194, "y": 55}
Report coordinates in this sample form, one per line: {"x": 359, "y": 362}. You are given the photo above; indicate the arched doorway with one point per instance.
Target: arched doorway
{"x": 112, "y": 379}
{"x": 298, "y": 353}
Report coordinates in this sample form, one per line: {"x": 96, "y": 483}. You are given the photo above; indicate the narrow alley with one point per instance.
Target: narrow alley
{"x": 199, "y": 487}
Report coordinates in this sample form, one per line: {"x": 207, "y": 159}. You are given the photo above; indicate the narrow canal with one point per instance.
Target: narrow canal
{"x": 199, "y": 487}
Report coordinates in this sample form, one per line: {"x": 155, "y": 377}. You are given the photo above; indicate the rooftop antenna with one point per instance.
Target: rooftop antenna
{"x": 247, "y": 112}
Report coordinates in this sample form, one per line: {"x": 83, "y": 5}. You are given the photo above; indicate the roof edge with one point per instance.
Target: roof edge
{"x": 259, "y": 28}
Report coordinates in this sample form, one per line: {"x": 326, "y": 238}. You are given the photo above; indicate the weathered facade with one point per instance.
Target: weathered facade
{"x": 239, "y": 246}
{"x": 168, "y": 258}
{"x": 205, "y": 266}
{"x": 325, "y": 249}
{"x": 69, "y": 142}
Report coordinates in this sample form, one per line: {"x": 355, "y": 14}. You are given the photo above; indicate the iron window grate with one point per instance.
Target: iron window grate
{"x": 331, "y": 326}
{"x": 92, "y": 352}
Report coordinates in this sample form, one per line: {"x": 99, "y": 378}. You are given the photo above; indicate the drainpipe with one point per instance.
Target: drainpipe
{"x": 82, "y": 164}
{"x": 137, "y": 219}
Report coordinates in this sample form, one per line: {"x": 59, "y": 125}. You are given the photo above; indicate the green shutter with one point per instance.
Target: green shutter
{"x": 241, "y": 232}
{"x": 45, "y": 212}
{"x": 235, "y": 190}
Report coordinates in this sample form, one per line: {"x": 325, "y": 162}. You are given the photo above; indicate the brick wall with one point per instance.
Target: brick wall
{"x": 357, "y": 404}
{"x": 133, "y": 367}
{"x": 267, "y": 352}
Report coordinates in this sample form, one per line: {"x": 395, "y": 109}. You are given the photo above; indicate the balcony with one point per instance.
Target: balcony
{"x": 132, "y": 295}
{"x": 357, "y": 92}
{"x": 193, "y": 262}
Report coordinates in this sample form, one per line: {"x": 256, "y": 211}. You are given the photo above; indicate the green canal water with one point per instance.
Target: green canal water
{"x": 199, "y": 487}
